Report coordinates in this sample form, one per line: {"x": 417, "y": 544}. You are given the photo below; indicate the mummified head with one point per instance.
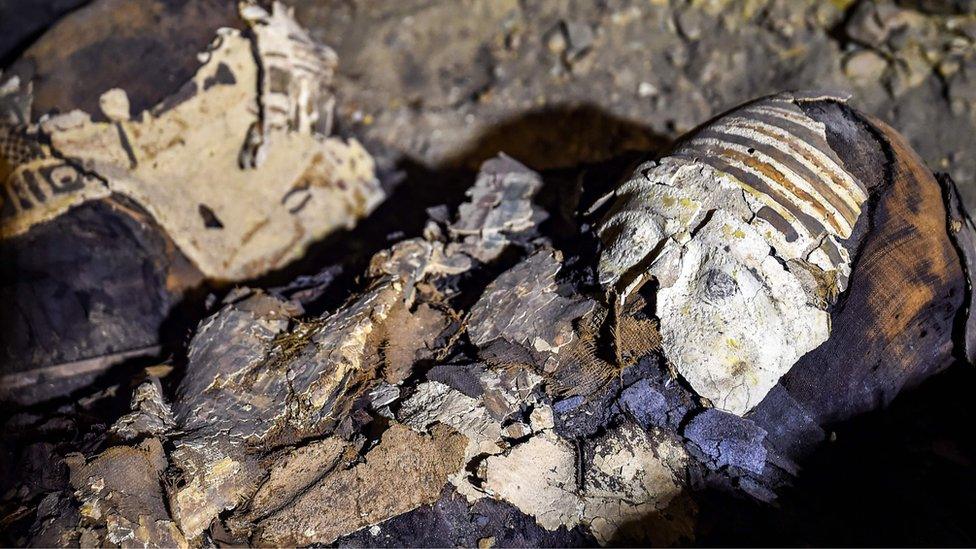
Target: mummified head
{"x": 742, "y": 227}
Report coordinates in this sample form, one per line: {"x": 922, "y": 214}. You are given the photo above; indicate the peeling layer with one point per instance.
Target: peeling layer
{"x": 742, "y": 229}
{"x": 181, "y": 161}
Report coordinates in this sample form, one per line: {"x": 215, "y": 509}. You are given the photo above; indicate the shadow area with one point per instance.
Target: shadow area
{"x": 560, "y": 137}
{"x": 22, "y": 22}
{"x": 902, "y": 476}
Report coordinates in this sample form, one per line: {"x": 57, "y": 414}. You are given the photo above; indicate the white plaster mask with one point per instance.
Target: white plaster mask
{"x": 741, "y": 229}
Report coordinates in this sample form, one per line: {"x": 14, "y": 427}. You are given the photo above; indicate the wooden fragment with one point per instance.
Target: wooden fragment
{"x": 894, "y": 326}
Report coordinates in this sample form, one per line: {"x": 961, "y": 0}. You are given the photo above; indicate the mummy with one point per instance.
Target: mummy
{"x": 749, "y": 230}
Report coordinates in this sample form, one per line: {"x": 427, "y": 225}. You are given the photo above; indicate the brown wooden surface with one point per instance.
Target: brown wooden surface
{"x": 895, "y": 325}
{"x": 83, "y": 292}
{"x": 111, "y": 44}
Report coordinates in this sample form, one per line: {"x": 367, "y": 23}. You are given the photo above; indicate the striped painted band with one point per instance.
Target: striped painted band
{"x": 781, "y": 157}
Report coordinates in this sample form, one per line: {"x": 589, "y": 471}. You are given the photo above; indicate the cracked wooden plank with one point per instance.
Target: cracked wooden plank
{"x": 404, "y": 471}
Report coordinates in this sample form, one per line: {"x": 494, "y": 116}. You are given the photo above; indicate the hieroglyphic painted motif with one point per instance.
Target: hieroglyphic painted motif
{"x": 36, "y": 185}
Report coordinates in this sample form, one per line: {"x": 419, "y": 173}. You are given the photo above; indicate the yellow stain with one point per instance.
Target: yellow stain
{"x": 841, "y": 5}
{"x": 225, "y": 467}
{"x": 729, "y": 233}
{"x": 798, "y": 51}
